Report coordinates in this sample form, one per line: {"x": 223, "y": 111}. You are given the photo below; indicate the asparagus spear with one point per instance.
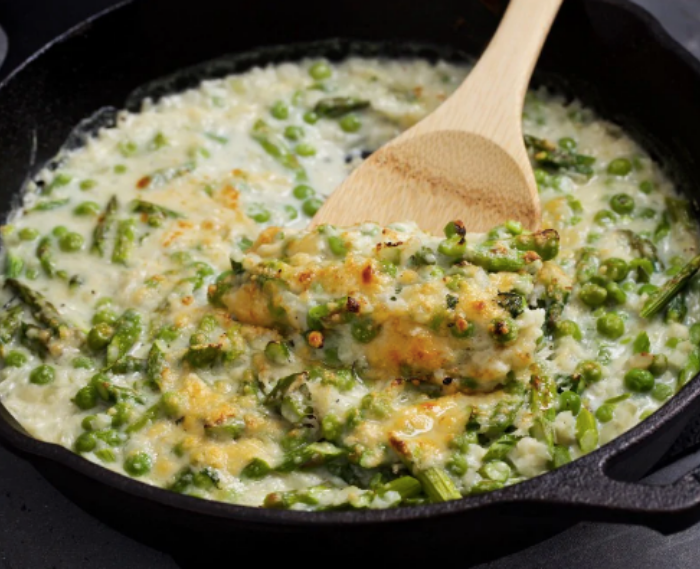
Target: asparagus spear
{"x": 406, "y": 486}
{"x": 125, "y": 241}
{"x": 156, "y": 365}
{"x": 48, "y": 205}
{"x": 285, "y": 500}
{"x": 274, "y": 146}
{"x": 128, "y": 330}
{"x": 142, "y": 206}
{"x": 334, "y": 107}
{"x": 670, "y": 288}
{"x": 438, "y": 485}
{"x": 514, "y": 254}
{"x": 256, "y": 469}
{"x": 203, "y": 355}
{"x": 35, "y": 339}
{"x": 542, "y": 397}
{"x": 149, "y": 415}
{"x": 165, "y": 175}
{"x": 643, "y": 246}
{"x": 10, "y": 324}
{"x": 13, "y": 265}
{"x": 99, "y": 234}
{"x": 586, "y": 431}
{"x": 43, "y": 253}
{"x": 547, "y": 154}
{"x": 41, "y": 309}
{"x": 309, "y": 456}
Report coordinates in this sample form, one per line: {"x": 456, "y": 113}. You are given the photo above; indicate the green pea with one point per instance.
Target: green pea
{"x": 61, "y": 179}
{"x": 646, "y": 187}
{"x": 350, "y": 123}
{"x": 646, "y": 213}
{"x": 604, "y": 413}
{"x": 258, "y": 213}
{"x": 503, "y": 330}
{"x": 71, "y": 242}
{"x": 622, "y": 204}
{"x": 15, "y": 359}
{"x": 611, "y": 325}
{"x": 172, "y": 404}
{"x": 454, "y": 246}
{"x": 337, "y": 246}
{"x": 592, "y": 294}
{"x": 86, "y": 398}
{"x": 86, "y": 185}
{"x": 590, "y": 371}
{"x": 127, "y": 148}
{"x": 278, "y": 353}
{"x": 111, "y": 437}
{"x": 605, "y": 218}
{"x": 615, "y": 293}
{"x": 105, "y": 316}
{"x": 661, "y": 392}
{"x": 496, "y": 470}
{"x": 28, "y": 234}
{"x": 567, "y": 143}
{"x": 364, "y": 330}
{"x": 293, "y": 133}
{"x": 280, "y": 110}
{"x": 542, "y": 178}
{"x": 311, "y": 206}
{"x": 659, "y": 365}
{"x": 619, "y": 167}
{"x": 120, "y": 169}
{"x": 570, "y": 401}
{"x": 647, "y": 288}
{"x": 121, "y": 414}
{"x": 304, "y": 149}
{"x": 310, "y": 117}
{"x": 88, "y": 423}
{"x": 639, "y": 380}
{"x": 291, "y": 211}
{"x": 138, "y": 464}
{"x": 454, "y": 228}
{"x": 106, "y": 455}
{"x": 302, "y": 192}
{"x": 568, "y": 328}
{"x": 87, "y": 208}
{"x": 59, "y": 231}
{"x": 320, "y": 71}
{"x": 83, "y": 362}
{"x": 86, "y": 442}
{"x": 42, "y": 375}
{"x": 463, "y": 329}
{"x": 100, "y": 336}
{"x": 615, "y": 269}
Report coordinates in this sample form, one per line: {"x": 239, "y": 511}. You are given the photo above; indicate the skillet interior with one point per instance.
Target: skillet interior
{"x": 610, "y": 57}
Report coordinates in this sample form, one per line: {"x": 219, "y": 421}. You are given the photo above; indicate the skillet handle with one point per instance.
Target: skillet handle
{"x": 593, "y": 492}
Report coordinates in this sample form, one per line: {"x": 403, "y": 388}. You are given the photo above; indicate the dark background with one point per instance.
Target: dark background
{"x": 40, "y": 528}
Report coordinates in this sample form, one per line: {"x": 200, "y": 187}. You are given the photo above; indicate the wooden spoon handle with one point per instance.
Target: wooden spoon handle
{"x": 490, "y": 101}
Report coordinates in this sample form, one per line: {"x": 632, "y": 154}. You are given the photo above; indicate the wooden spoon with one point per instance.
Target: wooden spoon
{"x": 467, "y": 160}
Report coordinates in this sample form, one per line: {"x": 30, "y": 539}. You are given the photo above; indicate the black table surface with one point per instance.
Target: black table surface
{"x": 40, "y": 528}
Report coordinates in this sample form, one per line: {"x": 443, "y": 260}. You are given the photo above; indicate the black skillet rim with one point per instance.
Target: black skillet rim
{"x": 532, "y": 491}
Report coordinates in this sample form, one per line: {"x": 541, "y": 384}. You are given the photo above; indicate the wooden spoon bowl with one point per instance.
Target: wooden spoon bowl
{"x": 467, "y": 160}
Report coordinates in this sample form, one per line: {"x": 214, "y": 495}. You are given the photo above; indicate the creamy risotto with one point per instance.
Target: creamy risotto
{"x": 166, "y": 314}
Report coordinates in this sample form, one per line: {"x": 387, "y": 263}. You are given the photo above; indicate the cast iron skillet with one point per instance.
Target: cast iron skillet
{"x": 607, "y": 52}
